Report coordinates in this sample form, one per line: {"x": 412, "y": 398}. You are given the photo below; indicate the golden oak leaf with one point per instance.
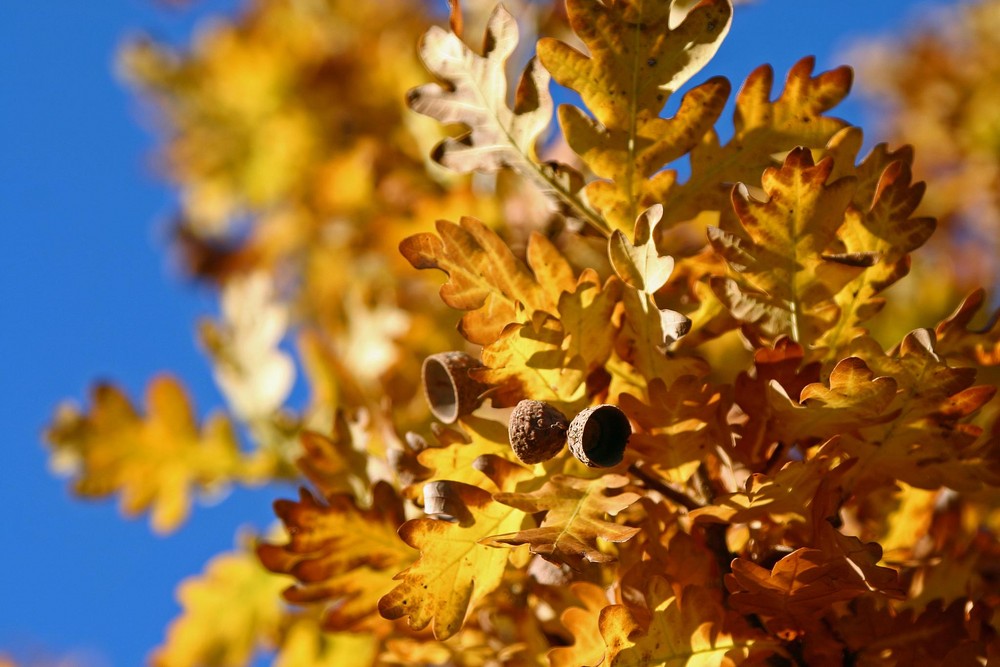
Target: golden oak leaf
{"x": 885, "y": 227}
{"x": 476, "y": 96}
{"x": 647, "y": 332}
{"x": 586, "y": 315}
{"x": 683, "y": 631}
{"x": 638, "y": 58}
{"x": 306, "y": 644}
{"x": 455, "y": 459}
{"x": 762, "y": 129}
{"x": 331, "y": 462}
{"x": 640, "y": 264}
{"x": 229, "y": 612}
{"x": 485, "y": 277}
{"x": 788, "y": 283}
{"x": 155, "y": 461}
{"x": 782, "y": 498}
{"x": 588, "y": 645}
{"x": 854, "y": 397}
{"x": 341, "y": 555}
{"x": 928, "y": 444}
{"x": 792, "y": 597}
{"x": 455, "y": 571}
{"x": 678, "y": 427}
{"x": 956, "y": 339}
{"x": 528, "y": 361}
{"x": 575, "y": 511}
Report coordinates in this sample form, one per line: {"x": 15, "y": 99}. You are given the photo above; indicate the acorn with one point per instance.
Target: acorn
{"x": 537, "y": 431}
{"x": 450, "y": 391}
{"x": 598, "y": 436}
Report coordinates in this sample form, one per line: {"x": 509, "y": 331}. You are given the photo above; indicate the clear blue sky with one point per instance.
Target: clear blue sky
{"x": 86, "y": 293}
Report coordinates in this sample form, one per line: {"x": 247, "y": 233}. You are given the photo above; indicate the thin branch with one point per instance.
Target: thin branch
{"x": 679, "y": 497}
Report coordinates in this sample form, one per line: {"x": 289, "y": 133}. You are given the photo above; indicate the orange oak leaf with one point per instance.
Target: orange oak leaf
{"x": 340, "y": 554}
{"x": 637, "y": 59}
{"x": 485, "y": 278}
{"x": 955, "y": 338}
{"x": 574, "y": 520}
{"x": 792, "y": 597}
{"x": 679, "y": 426}
{"x": 588, "y": 646}
{"x": 787, "y": 280}
{"x": 685, "y": 629}
{"x": 455, "y": 570}
{"x": 155, "y": 461}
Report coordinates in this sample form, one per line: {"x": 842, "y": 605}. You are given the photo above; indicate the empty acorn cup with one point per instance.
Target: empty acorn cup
{"x": 449, "y": 390}
{"x": 598, "y": 436}
{"x": 537, "y": 431}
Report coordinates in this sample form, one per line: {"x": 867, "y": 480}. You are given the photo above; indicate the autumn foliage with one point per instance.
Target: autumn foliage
{"x": 761, "y": 469}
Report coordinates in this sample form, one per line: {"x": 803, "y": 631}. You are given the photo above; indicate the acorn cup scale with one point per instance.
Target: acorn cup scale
{"x": 450, "y": 391}
{"x": 537, "y": 431}
{"x": 598, "y": 436}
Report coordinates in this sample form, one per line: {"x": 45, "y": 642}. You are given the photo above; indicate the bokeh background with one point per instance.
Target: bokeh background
{"x": 87, "y": 292}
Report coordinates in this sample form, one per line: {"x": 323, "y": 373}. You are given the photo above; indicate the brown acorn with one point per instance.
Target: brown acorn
{"x": 537, "y": 431}
{"x": 449, "y": 390}
{"x": 598, "y": 436}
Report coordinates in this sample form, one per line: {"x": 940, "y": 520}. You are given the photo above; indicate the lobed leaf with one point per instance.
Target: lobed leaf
{"x": 574, "y": 520}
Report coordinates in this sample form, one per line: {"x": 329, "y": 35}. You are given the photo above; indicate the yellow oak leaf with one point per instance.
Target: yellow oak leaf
{"x": 788, "y": 281}
{"x": 455, "y": 571}
{"x": 637, "y": 59}
{"x": 783, "y": 497}
{"x": 682, "y": 631}
{"x": 229, "y": 612}
{"x": 306, "y": 644}
{"x": 928, "y": 443}
{"x": 588, "y": 646}
{"x": 882, "y": 226}
{"x": 341, "y": 555}
{"x": 763, "y": 128}
{"x": 575, "y": 518}
{"x": 476, "y": 96}
{"x": 485, "y": 277}
{"x": 155, "y": 461}
{"x": 640, "y": 264}
{"x": 679, "y": 426}
{"x": 586, "y": 316}
{"x": 528, "y": 361}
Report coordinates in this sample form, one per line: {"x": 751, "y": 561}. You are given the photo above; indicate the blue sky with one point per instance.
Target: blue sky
{"x": 87, "y": 293}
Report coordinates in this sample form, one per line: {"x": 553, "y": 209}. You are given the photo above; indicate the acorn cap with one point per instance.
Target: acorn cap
{"x": 449, "y": 390}
{"x": 537, "y": 431}
{"x": 598, "y": 436}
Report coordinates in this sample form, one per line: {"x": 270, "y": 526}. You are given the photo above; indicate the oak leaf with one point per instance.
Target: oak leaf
{"x": 955, "y": 338}
{"x": 341, "y": 555}
{"x": 679, "y": 425}
{"x": 763, "y": 128}
{"x": 455, "y": 571}
{"x": 640, "y": 264}
{"x": 575, "y": 518}
{"x": 156, "y": 461}
{"x": 588, "y": 646}
{"x": 485, "y": 277}
{"x": 787, "y": 282}
{"x": 637, "y": 59}
{"x": 792, "y": 597}
{"x": 234, "y": 589}
{"x": 683, "y": 631}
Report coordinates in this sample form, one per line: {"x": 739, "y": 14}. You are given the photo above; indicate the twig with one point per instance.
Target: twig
{"x": 679, "y": 497}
